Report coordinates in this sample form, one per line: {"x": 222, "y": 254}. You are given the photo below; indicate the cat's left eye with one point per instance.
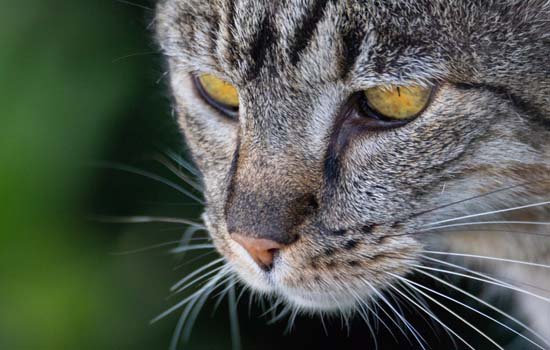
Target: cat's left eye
{"x": 218, "y": 93}
{"x": 393, "y": 106}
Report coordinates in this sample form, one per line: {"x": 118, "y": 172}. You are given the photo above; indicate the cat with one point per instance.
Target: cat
{"x": 346, "y": 146}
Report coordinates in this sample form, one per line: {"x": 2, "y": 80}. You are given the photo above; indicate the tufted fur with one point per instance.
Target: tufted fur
{"x": 352, "y": 203}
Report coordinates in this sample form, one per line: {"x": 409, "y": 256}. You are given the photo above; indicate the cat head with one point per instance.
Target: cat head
{"x": 317, "y": 193}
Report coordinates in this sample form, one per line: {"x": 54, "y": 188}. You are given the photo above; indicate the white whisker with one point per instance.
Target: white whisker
{"x": 194, "y": 273}
{"x": 498, "y": 279}
{"x": 187, "y": 248}
{"x": 490, "y": 281}
{"x": 373, "y": 312}
{"x": 421, "y": 341}
{"x": 482, "y": 195}
{"x": 231, "y": 282}
{"x": 179, "y": 326}
{"x": 412, "y": 285}
{"x": 434, "y": 317}
{"x": 286, "y": 309}
{"x": 234, "y": 317}
{"x": 189, "y": 261}
{"x": 492, "y": 307}
{"x": 490, "y": 213}
{"x": 190, "y": 232}
{"x": 475, "y": 223}
{"x": 181, "y": 162}
{"x": 195, "y": 312}
{"x": 149, "y": 175}
{"x": 161, "y": 159}
{"x": 201, "y": 277}
{"x": 364, "y": 314}
{"x": 210, "y": 283}
{"x": 291, "y": 320}
{"x": 145, "y": 249}
{"x": 488, "y": 258}
{"x": 147, "y": 219}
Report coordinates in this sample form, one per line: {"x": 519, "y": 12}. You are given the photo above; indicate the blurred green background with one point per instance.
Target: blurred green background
{"x": 81, "y": 83}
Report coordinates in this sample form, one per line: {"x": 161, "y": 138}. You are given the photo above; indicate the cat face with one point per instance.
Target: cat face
{"x": 305, "y": 198}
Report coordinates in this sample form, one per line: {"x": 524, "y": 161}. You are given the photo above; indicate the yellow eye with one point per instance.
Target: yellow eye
{"x": 219, "y": 91}
{"x": 398, "y": 102}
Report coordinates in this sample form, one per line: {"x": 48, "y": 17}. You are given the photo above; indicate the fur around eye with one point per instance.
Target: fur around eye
{"x": 397, "y": 102}
{"x": 218, "y": 93}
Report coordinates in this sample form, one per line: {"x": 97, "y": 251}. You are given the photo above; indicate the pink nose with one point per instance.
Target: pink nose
{"x": 261, "y": 250}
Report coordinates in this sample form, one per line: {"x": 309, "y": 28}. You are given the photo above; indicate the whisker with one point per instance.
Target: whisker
{"x": 500, "y": 283}
{"x": 285, "y": 311}
{"x": 412, "y": 284}
{"x": 221, "y": 295}
{"x": 179, "y": 326}
{"x": 241, "y": 294}
{"x": 478, "y": 299}
{"x": 189, "y": 284}
{"x": 342, "y": 314}
{"x": 211, "y": 282}
{"x": 189, "y": 233}
{"x": 194, "y": 273}
{"x": 135, "y": 54}
{"x": 490, "y": 213}
{"x": 434, "y": 317}
{"x": 365, "y": 304}
{"x": 182, "y": 320}
{"x": 191, "y": 247}
{"x": 146, "y": 219}
{"x": 164, "y": 161}
{"x": 421, "y": 341}
{"x": 181, "y": 162}
{"x": 488, "y": 258}
{"x": 498, "y": 190}
{"x": 291, "y": 320}
{"x": 145, "y": 249}
{"x": 481, "y": 230}
{"x": 483, "y": 275}
{"x": 421, "y": 300}
{"x": 143, "y": 7}
{"x": 149, "y": 175}
{"x": 475, "y": 223}
{"x": 189, "y": 261}
{"x": 196, "y": 310}
{"x": 492, "y": 307}
{"x": 364, "y": 314}
{"x": 273, "y": 307}
{"x": 234, "y": 318}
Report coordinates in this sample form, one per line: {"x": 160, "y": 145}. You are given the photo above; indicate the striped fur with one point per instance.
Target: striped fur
{"x": 366, "y": 195}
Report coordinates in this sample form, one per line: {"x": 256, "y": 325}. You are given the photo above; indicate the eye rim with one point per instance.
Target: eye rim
{"x": 230, "y": 112}
{"x": 378, "y": 121}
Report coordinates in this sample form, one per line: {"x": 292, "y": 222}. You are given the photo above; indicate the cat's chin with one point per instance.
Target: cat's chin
{"x": 326, "y": 302}
{"x": 320, "y": 302}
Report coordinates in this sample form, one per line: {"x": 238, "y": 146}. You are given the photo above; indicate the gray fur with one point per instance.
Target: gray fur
{"x": 295, "y": 64}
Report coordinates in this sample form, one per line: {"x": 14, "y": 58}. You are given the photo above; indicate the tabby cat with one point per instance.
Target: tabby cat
{"x": 347, "y": 146}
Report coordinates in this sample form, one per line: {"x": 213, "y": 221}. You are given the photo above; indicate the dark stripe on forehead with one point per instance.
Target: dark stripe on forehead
{"x": 259, "y": 47}
{"x": 352, "y": 39}
{"x": 304, "y": 32}
{"x": 186, "y": 25}
{"x": 231, "y": 44}
{"x": 214, "y": 33}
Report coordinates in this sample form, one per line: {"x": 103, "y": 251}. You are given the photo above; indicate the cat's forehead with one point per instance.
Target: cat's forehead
{"x": 318, "y": 39}
{"x": 360, "y": 42}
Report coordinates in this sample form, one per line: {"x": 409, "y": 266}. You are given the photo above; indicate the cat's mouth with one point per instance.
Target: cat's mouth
{"x": 302, "y": 289}
{"x": 313, "y": 279}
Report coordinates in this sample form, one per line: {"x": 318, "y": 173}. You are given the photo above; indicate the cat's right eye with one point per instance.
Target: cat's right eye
{"x": 218, "y": 93}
